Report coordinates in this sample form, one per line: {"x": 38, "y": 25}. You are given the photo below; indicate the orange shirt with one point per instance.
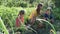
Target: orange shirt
{"x": 18, "y": 21}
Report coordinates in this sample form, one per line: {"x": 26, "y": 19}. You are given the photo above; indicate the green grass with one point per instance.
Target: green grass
{"x": 3, "y": 27}
{"x": 9, "y": 15}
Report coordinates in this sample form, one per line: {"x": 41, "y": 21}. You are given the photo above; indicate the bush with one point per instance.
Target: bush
{"x": 8, "y": 15}
{"x": 56, "y": 12}
{"x": 23, "y": 5}
{"x": 57, "y": 3}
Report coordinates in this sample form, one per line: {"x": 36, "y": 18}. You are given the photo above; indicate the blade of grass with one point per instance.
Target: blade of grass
{"x": 49, "y": 24}
{"x": 3, "y": 27}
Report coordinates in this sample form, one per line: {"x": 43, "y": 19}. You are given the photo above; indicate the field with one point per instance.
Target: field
{"x": 8, "y": 16}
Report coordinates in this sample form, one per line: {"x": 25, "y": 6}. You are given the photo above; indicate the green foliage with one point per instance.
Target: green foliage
{"x": 23, "y": 4}
{"x": 57, "y": 3}
{"x": 10, "y": 9}
{"x": 31, "y": 1}
{"x": 3, "y": 27}
{"x": 56, "y": 12}
{"x": 18, "y": 3}
{"x": 9, "y": 15}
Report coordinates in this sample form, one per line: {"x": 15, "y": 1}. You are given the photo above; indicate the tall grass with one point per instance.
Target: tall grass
{"x": 54, "y": 31}
{"x": 11, "y": 14}
{"x": 3, "y": 27}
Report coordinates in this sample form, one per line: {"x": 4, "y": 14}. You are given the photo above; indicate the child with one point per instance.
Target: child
{"x": 35, "y": 13}
{"x": 48, "y": 15}
{"x": 20, "y": 20}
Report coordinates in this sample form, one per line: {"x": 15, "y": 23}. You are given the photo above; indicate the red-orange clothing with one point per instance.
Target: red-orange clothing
{"x": 19, "y": 20}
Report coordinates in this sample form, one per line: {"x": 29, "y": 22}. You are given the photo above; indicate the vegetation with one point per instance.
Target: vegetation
{"x": 9, "y": 10}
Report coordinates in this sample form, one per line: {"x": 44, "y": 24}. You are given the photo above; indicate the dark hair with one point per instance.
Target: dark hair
{"x": 22, "y": 12}
{"x": 38, "y": 10}
{"x": 39, "y": 5}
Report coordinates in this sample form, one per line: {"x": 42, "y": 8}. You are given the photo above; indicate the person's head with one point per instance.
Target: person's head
{"x": 22, "y": 12}
{"x": 39, "y": 7}
{"x": 48, "y": 11}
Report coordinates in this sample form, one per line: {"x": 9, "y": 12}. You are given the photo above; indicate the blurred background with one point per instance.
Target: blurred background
{"x": 9, "y": 10}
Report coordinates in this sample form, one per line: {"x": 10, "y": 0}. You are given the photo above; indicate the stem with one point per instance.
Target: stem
{"x": 3, "y": 27}
{"x": 11, "y": 25}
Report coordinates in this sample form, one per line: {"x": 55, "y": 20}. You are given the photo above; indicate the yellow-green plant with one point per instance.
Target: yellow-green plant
{"x": 3, "y": 27}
